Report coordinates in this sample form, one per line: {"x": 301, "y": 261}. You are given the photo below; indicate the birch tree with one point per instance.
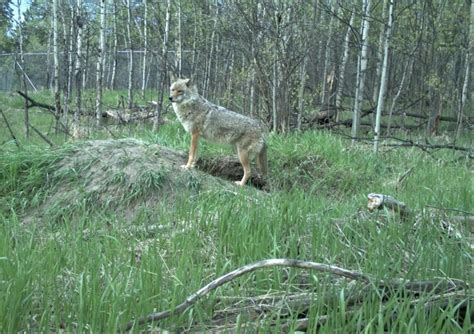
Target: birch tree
{"x": 327, "y": 56}
{"x": 57, "y": 94}
{"x": 130, "y": 53}
{"x": 406, "y": 73}
{"x": 179, "y": 51}
{"x": 78, "y": 70}
{"x": 69, "y": 28}
{"x": 100, "y": 64}
{"x": 22, "y": 69}
{"x": 145, "y": 45}
{"x": 342, "y": 68}
{"x": 383, "y": 77}
{"x": 379, "y": 55}
{"x": 361, "y": 70}
{"x": 114, "y": 47}
{"x": 467, "y": 73}
{"x": 164, "y": 68}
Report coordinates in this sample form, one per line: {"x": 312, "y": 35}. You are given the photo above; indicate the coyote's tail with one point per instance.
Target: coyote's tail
{"x": 262, "y": 162}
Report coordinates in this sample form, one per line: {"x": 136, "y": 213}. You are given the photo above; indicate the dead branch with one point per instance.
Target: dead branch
{"x": 429, "y": 146}
{"x": 391, "y": 286}
{"x": 50, "y": 108}
{"x": 354, "y": 275}
{"x": 10, "y": 129}
{"x": 33, "y": 103}
{"x": 410, "y": 143}
{"x": 348, "y": 123}
{"x": 42, "y": 136}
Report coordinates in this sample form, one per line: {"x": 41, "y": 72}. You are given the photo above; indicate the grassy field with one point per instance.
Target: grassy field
{"x": 75, "y": 259}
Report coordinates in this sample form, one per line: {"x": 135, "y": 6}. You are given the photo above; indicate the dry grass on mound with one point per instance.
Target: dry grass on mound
{"x": 119, "y": 175}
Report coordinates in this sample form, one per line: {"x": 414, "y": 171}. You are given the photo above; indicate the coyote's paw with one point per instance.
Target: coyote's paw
{"x": 186, "y": 167}
{"x": 239, "y": 183}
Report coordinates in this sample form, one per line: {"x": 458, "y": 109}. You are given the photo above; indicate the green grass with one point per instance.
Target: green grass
{"x": 89, "y": 267}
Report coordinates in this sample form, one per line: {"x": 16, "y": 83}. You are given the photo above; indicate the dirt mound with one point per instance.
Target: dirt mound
{"x": 119, "y": 175}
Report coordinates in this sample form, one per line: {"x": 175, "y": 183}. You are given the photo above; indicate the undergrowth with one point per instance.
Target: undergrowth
{"x": 84, "y": 263}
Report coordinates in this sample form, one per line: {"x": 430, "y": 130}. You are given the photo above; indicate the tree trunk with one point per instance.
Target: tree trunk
{"x": 361, "y": 71}
{"x": 145, "y": 45}
{"x": 130, "y": 54}
{"x": 23, "y": 74}
{"x": 178, "y": 60}
{"x": 114, "y": 50}
{"x": 463, "y": 97}
{"x": 383, "y": 77}
{"x": 49, "y": 82}
{"x": 301, "y": 93}
{"x": 379, "y": 57}
{"x": 467, "y": 74}
{"x": 211, "y": 52}
{"x": 275, "y": 80}
{"x": 78, "y": 69}
{"x": 85, "y": 74}
{"x": 471, "y": 48}
{"x": 342, "y": 69}
{"x": 57, "y": 94}
{"x": 406, "y": 72}
{"x": 100, "y": 65}
{"x": 327, "y": 56}
{"x": 70, "y": 62}
{"x": 164, "y": 59}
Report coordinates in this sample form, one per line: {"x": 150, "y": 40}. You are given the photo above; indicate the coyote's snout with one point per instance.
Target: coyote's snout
{"x": 200, "y": 117}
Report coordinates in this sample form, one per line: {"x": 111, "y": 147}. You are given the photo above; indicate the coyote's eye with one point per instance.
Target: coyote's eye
{"x": 179, "y": 91}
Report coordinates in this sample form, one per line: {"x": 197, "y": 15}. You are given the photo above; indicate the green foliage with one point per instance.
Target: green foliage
{"x": 6, "y": 14}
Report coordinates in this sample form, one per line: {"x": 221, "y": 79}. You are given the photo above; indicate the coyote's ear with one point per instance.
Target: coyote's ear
{"x": 172, "y": 76}
{"x": 188, "y": 82}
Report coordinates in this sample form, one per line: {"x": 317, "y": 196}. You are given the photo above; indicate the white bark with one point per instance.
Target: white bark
{"x": 115, "y": 45}
{"x": 145, "y": 45}
{"x": 100, "y": 64}
{"x": 274, "y": 92}
{"x": 406, "y": 72}
{"x": 327, "y": 55}
{"x": 301, "y": 93}
{"x": 164, "y": 58}
{"x": 23, "y": 74}
{"x": 57, "y": 94}
{"x": 178, "y": 60}
{"x": 69, "y": 61}
{"x": 78, "y": 69}
{"x": 130, "y": 53}
{"x": 380, "y": 48}
{"x": 383, "y": 77}
{"x": 211, "y": 52}
{"x": 467, "y": 74}
{"x": 361, "y": 70}
{"x": 342, "y": 69}
{"x": 463, "y": 97}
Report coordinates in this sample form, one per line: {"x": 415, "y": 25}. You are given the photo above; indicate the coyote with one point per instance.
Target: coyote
{"x": 200, "y": 117}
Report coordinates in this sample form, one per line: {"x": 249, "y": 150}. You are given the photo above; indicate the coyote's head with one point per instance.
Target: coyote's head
{"x": 181, "y": 90}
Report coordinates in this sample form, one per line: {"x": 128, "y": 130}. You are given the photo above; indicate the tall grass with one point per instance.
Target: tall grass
{"x": 99, "y": 267}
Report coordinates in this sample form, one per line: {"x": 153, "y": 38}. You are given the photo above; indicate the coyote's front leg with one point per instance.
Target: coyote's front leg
{"x": 192, "y": 151}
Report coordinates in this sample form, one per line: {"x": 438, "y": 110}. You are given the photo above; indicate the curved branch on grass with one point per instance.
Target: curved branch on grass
{"x": 353, "y": 275}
